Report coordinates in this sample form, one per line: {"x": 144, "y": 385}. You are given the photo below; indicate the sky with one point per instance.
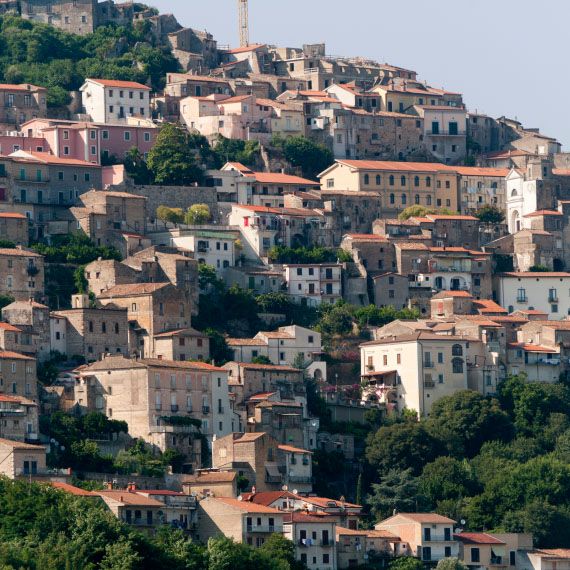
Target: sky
{"x": 505, "y": 56}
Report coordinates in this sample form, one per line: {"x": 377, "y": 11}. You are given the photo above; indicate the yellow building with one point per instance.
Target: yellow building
{"x": 400, "y": 184}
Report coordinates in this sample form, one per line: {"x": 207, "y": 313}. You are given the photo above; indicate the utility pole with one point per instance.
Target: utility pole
{"x": 243, "y": 23}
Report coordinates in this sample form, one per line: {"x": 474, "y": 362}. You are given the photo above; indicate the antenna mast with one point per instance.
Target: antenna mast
{"x": 243, "y": 23}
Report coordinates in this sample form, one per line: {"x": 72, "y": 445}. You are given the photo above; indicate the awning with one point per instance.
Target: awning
{"x": 272, "y": 470}
{"x": 498, "y": 550}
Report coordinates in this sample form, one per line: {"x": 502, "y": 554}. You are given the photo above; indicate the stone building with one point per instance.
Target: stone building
{"x": 21, "y": 103}
{"x": 18, "y": 418}
{"x": 183, "y": 344}
{"x": 14, "y": 228}
{"x": 92, "y": 331}
{"x": 31, "y": 318}
{"x": 22, "y": 274}
{"x": 157, "y": 398}
{"x": 18, "y": 375}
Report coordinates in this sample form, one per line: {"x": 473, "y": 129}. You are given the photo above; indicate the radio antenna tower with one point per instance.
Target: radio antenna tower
{"x": 243, "y": 23}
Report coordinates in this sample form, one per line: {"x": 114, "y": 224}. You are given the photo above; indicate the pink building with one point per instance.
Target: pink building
{"x": 90, "y": 141}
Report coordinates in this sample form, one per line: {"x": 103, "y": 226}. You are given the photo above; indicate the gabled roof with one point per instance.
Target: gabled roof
{"x": 264, "y": 367}
{"x": 426, "y": 518}
{"x": 292, "y": 449}
{"x": 539, "y": 213}
{"x": 246, "y": 506}
{"x": 130, "y": 498}
{"x": 244, "y": 49}
{"x": 477, "y": 538}
{"x": 211, "y": 477}
{"x": 119, "y": 84}
{"x": 71, "y": 489}
{"x": 447, "y": 294}
{"x": 132, "y": 290}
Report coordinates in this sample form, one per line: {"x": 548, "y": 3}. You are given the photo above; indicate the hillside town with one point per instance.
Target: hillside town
{"x": 298, "y": 303}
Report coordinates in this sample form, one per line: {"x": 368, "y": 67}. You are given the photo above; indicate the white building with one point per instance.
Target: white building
{"x": 283, "y": 347}
{"x": 110, "y": 101}
{"x": 314, "y": 284}
{"x": 414, "y": 371}
{"x": 546, "y": 292}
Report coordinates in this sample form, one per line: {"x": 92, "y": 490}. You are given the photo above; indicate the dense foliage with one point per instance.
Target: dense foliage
{"x": 316, "y": 254}
{"x": 49, "y": 57}
{"x": 417, "y": 211}
{"x": 490, "y": 214}
{"x": 311, "y": 157}
{"x": 499, "y": 463}
{"x": 42, "y": 528}
{"x": 75, "y": 249}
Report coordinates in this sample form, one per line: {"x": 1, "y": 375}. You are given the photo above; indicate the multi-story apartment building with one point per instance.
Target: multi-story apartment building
{"x": 21, "y": 103}
{"x": 33, "y": 319}
{"x": 429, "y": 536}
{"x": 18, "y": 418}
{"x": 267, "y": 188}
{"x": 314, "y": 284}
{"x": 92, "y": 331}
{"x": 91, "y": 142}
{"x": 262, "y": 228}
{"x": 155, "y": 396}
{"x": 18, "y": 375}
{"x": 546, "y": 292}
{"x": 480, "y": 187}
{"x": 242, "y": 521}
{"x": 22, "y": 274}
{"x": 400, "y": 184}
{"x": 413, "y": 371}
{"x": 111, "y": 101}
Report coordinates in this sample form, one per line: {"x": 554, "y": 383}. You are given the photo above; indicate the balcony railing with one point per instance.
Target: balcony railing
{"x": 173, "y": 408}
{"x": 429, "y": 364}
{"x": 205, "y": 410}
{"x": 300, "y": 479}
{"x": 266, "y": 528}
{"x": 522, "y": 299}
{"x": 446, "y": 133}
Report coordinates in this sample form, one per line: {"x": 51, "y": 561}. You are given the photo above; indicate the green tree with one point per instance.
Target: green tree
{"x": 225, "y": 554}
{"x": 396, "y": 490}
{"x": 417, "y": 211}
{"x": 450, "y": 564}
{"x": 401, "y": 446}
{"x": 121, "y": 556}
{"x": 311, "y": 157}
{"x": 336, "y": 320}
{"x": 406, "y": 563}
{"x": 490, "y": 214}
{"x": 137, "y": 168}
{"x": 171, "y": 160}
{"x": 261, "y": 360}
{"x": 198, "y": 214}
{"x": 170, "y": 215}
{"x": 465, "y": 420}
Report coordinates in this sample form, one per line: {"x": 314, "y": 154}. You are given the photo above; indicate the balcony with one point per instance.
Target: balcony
{"x": 265, "y": 528}
{"x": 299, "y": 479}
{"x": 205, "y": 410}
{"x": 553, "y": 299}
{"x": 429, "y": 384}
{"x": 444, "y": 133}
{"x": 273, "y": 478}
{"x": 438, "y": 538}
{"x": 429, "y": 364}
{"x": 522, "y": 299}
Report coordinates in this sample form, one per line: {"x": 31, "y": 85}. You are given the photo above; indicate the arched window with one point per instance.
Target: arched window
{"x": 391, "y": 180}
{"x": 428, "y": 200}
{"x": 392, "y": 199}
{"x": 366, "y": 179}
{"x": 378, "y": 180}
{"x": 404, "y": 199}
{"x": 514, "y": 192}
{"x": 416, "y": 181}
{"x": 403, "y": 181}
{"x": 417, "y": 199}
{"x": 457, "y": 350}
{"x": 428, "y": 181}
{"x": 457, "y": 364}
{"x": 494, "y": 185}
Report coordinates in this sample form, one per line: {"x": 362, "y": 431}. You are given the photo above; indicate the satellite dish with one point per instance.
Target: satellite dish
{"x": 284, "y": 488}
{"x": 458, "y": 530}
{"x": 462, "y": 521}
{"x": 295, "y": 492}
{"x": 240, "y": 498}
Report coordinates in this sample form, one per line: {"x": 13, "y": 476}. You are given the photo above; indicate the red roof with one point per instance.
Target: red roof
{"x": 444, "y": 294}
{"x": 291, "y": 449}
{"x": 533, "y": 348}
{"x": 71, "y": 489}
{"x": 488, "y": 306}
{"x": 14, "y": 355}
{"x": 245, "y": 49}
{"x": 278, "y": 178}
{"x": 48, "y": 158}
{"x": 477, "y": 538}
{"x": 119, "y": 84}
{"x": 543, "y": 213}
{"x": 12, "y": 215}
{"x": 537, "y": 274}
{"x": 247, "y": 506}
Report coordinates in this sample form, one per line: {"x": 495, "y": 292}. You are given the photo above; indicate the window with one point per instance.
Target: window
{"x": 475, "y": 555}
{"x": 385, "y": 360}
{"x": 392, "y": 180}
{"x": 447, "y": 551}
{"x": 127, "y": 135}
{"x": 417, "y": 199}
{"x": 87, "y": 177}
{"x": 392, "y": 198}
{"x": 457, "y": 364}
{"x": 521, "y": 295}
{"x": 402, "y": 181}
{"x": 440, "y": 357}
{"x": 457, "y": 350}
{"x": 398, "y": 358}
{"x": 378, "y": 180}
{"x": 416, "y": 181}
{"x": 366, "y": 179}
{"x": 404, "y": 199}
{"x": 147, "y": 137}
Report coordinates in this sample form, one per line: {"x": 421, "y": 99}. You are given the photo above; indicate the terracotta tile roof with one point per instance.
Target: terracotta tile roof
{"x": 246, "y": 506}
{"x": 481, "y": 171}
{"x": 418, "y": 336}
{"x": 132, "y": 289}
{"x": 20, "y": 445}
{"x": 9, "y": 327}
{"x": 509, "y": 319}
{"x": 245, "y": 342}
{"x": 508, "y": 154}
{"x": 237, "y": 99}
{"x": 130, "y": 498}
{"x": 477, "y": 538}
{"x": 533, "y": 348}
{"x": 559, "y": 325}
{"x": 366, "y": 237}
{"x": 537, "y": 274}
{"x": 15, "y": 252}
{"x": 12, "y": 215}
{"x": 249, "y": 437}
{"x": 324, "y": 502}
{"x": 277, "y": 334}
{"x": 531, "y": 312}
{"x": 16, "y": 400}
{"x": 14, "y": 355}
{"x": 244, "y": 49}
{"x": 561, "y": 171}
{"x": 451, "y": 217}
{"x": 304, "y": 518}
{"x": 292, "y": 449}
{"x": 386, "y": 165}
{"x": 552, "y": 553}
{"x": 119, "y": 84}
{"x": 267, "y": 497}
{"x": 351, "y": 532}
{"x": 412, "y": 246}
{"x": 211, "y": 477}
{"x": 447, "y": 294}
{"x": 71, "y": 489}
{"x": 262, "y": 396}
{"x": 47, "y": 158}
{"x": 268, "y": 367}
{"x": 428, "y": 518}
{"x": 259, "y": 209}
{"x": 539, "y": 213}
{"x": 20, "y": 87}
{"x": 185, "y": 364}
{"x": 489, "y": 306}
{"x": 181, "y": 332}
{"x": 382, "y": 534}
{"x": 279, "y": 178}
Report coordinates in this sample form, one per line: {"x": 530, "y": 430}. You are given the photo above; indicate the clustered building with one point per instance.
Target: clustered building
{"x": 493, "y": 297}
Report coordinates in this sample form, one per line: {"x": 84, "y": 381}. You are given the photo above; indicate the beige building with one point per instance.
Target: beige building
{"x": 400, "y": 184}
{"x": 18, "y": 459}
{"x": 314, "y": 284}
{"x": 110, "y": 101}
{"x": 92, "y": 331}
{"x": 18, "y": 375}
{"x": 18, "y": 418}
{"x": 32, "y": 319}
{"x": 242, "y": 521}
{"x": 21, "y": 103}
{"x": 14, "y": 228}
{"x": 211, "y": 482}
{"x": 428, "y": 536}
{"x": 164, "y": 402}
{"x": 414, "y": 371}
{"x": 182, "y": 345}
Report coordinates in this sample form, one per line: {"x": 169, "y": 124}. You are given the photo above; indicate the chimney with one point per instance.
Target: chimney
{"x": 109, "y": 485}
